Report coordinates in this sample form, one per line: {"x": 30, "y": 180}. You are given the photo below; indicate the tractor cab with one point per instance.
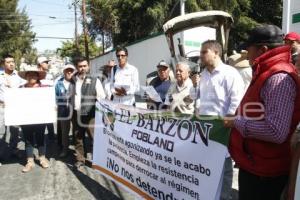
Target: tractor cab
{"x": 186, "y": 33}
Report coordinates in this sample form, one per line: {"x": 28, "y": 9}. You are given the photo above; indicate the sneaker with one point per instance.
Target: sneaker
{"x": 29, "y": 165}
{"x": 44, "y": 162}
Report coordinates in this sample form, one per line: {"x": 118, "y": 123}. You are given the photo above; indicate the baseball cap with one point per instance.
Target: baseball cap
{"x": 264, "y": 35}
{"x": 42, "y": 59}
{"x": 292, "y": 36}
{"x": 162, "y": 63}
{"x": 68, "y": 66}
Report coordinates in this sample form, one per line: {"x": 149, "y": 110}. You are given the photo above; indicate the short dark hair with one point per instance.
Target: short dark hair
{"x": 213, "y": 45}
{"x": 5, "y": 56}
{"x": 79, "y": 59}
{"x": 121, "y": 48}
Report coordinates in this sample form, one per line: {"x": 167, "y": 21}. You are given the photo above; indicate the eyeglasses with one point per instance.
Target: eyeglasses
{"x": 121, "y": 55}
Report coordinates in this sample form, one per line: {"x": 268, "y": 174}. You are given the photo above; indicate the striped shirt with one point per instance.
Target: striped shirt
{"x": 278, "y": 95}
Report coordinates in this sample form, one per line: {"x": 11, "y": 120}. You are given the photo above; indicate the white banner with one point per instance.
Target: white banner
{"x": 159, "y": 156}
{"x": 29, "y": 106}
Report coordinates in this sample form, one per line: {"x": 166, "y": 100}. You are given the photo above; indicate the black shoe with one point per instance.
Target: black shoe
{"x": 88, "y": 163}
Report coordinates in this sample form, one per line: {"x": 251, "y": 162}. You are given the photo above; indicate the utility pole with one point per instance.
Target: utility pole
{"x": 76, "y": 30}
{"x": 84, "y": 23}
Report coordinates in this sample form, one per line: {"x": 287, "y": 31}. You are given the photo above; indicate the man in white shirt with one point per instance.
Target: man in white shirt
{"x": 9, "y": 78}
{"x": 220, "y": 90}
{"x": 88, "y": 89}
{"x": 124, "y": 79}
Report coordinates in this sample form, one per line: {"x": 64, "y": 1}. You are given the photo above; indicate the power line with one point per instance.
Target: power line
{"x": 18, "y": 15}
{"x": 50, "y": 37}
{"x": 48, "y": 3}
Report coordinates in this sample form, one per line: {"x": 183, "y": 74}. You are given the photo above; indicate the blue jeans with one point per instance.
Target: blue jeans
{"x": 34, "y": 135}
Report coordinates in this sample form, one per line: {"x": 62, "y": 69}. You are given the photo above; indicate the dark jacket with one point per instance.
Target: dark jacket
{"x": 88, "y": 95}
{"x": 64, "y": 98}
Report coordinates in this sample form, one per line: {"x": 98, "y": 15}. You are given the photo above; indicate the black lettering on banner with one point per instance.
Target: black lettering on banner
{"x": 112, "y": 165}
{"x": 127, "y": 174}
{"x": 173, "y": 122}
{"x": 150, "y": 123}
{"x": 160, "y": 124}
{"x": 204, "y": 135}
{"x": 189, "y": 128}
{"x": 157, "y": 141}
{"x": 141, "y": 120}
{"x": 158, "y": 194}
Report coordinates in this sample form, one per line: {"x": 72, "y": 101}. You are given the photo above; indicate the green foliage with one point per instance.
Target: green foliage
{"x": 267, "y": 11}
{"x": 69, "y": 49}
{"x": 16, "y": 37}
{"x": 125, "y": 21}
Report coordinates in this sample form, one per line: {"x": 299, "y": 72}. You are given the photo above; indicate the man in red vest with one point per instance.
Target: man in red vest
{"x": 266, "y": 118}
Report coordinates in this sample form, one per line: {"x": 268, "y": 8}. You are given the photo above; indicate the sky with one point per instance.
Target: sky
{"x": 50, "y": 18}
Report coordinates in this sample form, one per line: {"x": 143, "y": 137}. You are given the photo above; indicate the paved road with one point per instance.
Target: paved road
{"x": 59, "y": 182}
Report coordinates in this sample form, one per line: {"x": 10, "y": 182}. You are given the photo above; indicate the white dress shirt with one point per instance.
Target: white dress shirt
{"x": 106, "y": 87}
{"x": 128, "y": 78}
{"x": 12, "y": 80}
{"x": 99, "y": 92}
{"x": 220, "y": 91}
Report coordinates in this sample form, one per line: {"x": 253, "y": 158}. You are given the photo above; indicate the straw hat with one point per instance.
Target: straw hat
{"x": 41, "y": 74}
{"x": 239, "y": 60}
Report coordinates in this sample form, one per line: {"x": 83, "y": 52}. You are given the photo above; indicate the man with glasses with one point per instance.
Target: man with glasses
{"x": 124, "y": 79}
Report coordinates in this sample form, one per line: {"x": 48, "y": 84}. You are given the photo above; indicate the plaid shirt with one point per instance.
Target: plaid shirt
{"x": 278, "y": 95}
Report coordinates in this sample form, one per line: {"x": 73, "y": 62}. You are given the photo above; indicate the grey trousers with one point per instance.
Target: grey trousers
{"x": 9, "y": 135}
{"x": 227, "y": 179}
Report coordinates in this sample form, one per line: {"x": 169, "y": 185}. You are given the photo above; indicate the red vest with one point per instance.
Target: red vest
{"x": 256, "y": 156}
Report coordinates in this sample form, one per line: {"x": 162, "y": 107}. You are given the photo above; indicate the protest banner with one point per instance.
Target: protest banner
{"x": 160, "y": 155}
{"x": 30, "y": 106}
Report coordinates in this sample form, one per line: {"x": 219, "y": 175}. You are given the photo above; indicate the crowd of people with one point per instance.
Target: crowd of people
{"x": 257, "y": 92}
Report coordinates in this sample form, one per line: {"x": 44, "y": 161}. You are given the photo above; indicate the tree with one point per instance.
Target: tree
{"x": 16, "y": 37}
{"x": 125, "y": 21}
{"x": 69, "y": 48}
